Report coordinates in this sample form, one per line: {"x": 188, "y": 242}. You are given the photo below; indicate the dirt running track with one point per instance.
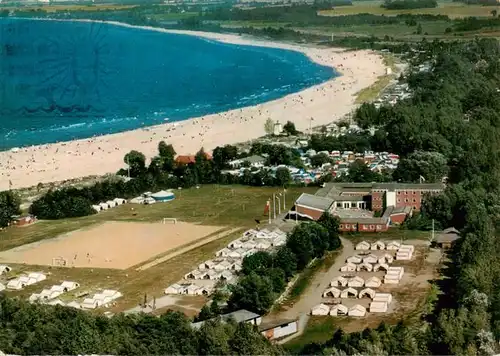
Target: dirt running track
{"x": 313, "y": 294}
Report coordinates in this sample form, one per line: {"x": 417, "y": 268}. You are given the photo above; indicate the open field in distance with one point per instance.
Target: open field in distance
{"x": 451, "y": 9}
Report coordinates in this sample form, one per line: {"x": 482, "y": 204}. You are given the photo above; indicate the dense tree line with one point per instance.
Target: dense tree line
{"x": 33, "y": 329}
{"x": 409, "y": 4}
{"x": 266, "y": 274}
{"x": 9, "y": 207}
{"x": 163, "y": 172}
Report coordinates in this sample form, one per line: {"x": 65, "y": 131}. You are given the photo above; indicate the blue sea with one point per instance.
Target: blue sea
{"x": 66, "y": 80}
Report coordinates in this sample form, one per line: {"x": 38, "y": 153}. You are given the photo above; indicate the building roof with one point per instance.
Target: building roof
{"x": 314, "y": 201}
{"x": 239, "y": 316}
{"x": 408, "y": 186}
{"x": 275, "y": 323}
{"x": 444, "y": 237}
{"x": 253, "y": 159}
{"x": 331, "y": 190}
{"x": 378, "y": 221}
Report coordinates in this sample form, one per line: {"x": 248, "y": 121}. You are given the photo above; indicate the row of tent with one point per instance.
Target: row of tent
{"x": 54, "y": 291}
{"x": 378, "y": 245}
{"x": 351, "y": 267}
{"x": 26, "y": 280}
{"x": 189, "y": 289}
{"x": 356, "y": 281}
{"x": 109, "y": 204}
{"x": 102, "y": 299}
{"x": 380, "y": 304}
{"x": 349, "y": 292}
{"x": 371, "y": 258}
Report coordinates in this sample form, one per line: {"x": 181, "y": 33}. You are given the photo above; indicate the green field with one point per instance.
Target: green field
{"x": 231, "y": 206}
{"x": 451, "y": 9}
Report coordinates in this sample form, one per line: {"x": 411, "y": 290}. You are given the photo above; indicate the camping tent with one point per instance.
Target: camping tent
{"x": 380, "y": 266}
{"x": 349, "y": 267}
{"x": 320, "y": 309}
{"x": 378, "y": 307}
{"x": 368, "y": 292}
{"x": 383, "y": 297}
{"x": 371, "y": 258}
{"x": 377, "y": 245}
{"x": 349, "y": 292}
{"x": 331, "y": 292}
{"x": 356, "y": 282}
{"x": 373, "y": 282}
{"x": 363, "y": 245}
{"x": 339, "y": 282}
{"x": 393, "y": 245}
{"x": 357, "y": 310}
{"x": 354, "y": 259}
{"x": 339, "y": 309}
{"x": 364, "y": 266}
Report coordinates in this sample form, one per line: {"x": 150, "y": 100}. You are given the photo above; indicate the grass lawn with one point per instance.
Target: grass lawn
{"x": 451, "y": 9}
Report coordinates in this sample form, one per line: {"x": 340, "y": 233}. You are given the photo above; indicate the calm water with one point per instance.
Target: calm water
{"x": 60, "y": 80}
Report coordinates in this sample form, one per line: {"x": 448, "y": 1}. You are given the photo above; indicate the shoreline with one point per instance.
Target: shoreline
{"x": 324, "y": 103}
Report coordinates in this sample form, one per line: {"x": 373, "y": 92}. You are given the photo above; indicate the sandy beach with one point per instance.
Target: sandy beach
{"x": 323, "y": 103}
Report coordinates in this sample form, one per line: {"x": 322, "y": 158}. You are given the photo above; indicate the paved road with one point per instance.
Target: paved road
{"x": 313, "y": 294}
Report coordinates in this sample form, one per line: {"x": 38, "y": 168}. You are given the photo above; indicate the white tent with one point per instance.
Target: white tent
{"x": 356, "y": 281}
{"x": 207, "y": 265}
{"x": 339, "y": 282}
{"x": 357, "y": 310}
{"x": 377, "y": 245}
{"x": 113, "y": 294}
{"x": 364, "y": 266}
{"x": 320, "y": 309}
{"x": 393, "y": 245}
{"x": 387, "y": 258}
{"x": 249, "y": 245}
{"x": 97, "y": 208}
{"x": 398, "y": 271}
{"x": 191, "y": 289}
{"x": 204, "y": 291}
{"x": 104, "y": 206}
{"x": 89, "y": 303}
{"x": 391, "y": 279}
{"x": 37, "y": 276}
{"x": 383, "y": 297}
{"x": 263, "y": 245}
{"x": 331, "y": 292}
{"x": 2, "y": 287}
{"x": 111, "y": 203}
{"x": 368, "y": 292}
{"x": 404, "y": 256}
{"x": 223, "y": 265}
{"x": 4, "y": 269}
{"x": 371, "y": 258}
{"x": 349, "y": 267}
{"x": 57, "y": 288}
{"x": 226, "y": 275}
{"x": 406, "y": 248}
{"x": 119, "y": 201}
{"x": 378, "y": 307}
{"x": 373, "y": 282}
{"x": 16, "y": 284}
{"x": 69, "y": 286}
{"x": 354, "y": 259}
{"x": 223, "y": 253}
{"x": 339, "y": 309}
{"x": 380, "y": 266}
{"x": 56, "y": 302}
{"x": 174, "y": 289}
{"x": 363, "y": 245}
{"x": 349, "y": 292}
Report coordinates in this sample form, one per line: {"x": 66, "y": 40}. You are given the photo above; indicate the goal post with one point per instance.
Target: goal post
{"x": 59, "y": 261}
{"x": 169, "y": 220}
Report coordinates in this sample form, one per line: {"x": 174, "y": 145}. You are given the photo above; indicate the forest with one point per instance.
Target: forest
{"x": 409, "y": 4}
{"x": 34, "y": 329}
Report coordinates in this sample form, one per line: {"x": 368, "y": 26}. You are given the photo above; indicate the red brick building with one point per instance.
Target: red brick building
{"x": 354, "y": 202}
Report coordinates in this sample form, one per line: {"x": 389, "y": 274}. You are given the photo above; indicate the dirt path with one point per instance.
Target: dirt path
{"x": 201, "y": 242}
{"x": 312, "y": 295}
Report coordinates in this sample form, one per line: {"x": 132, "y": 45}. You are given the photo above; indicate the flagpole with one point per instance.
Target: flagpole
{"x": 284, "y": 197}
{"x": 269, "y": 212}
{"x": 274, "y": 205}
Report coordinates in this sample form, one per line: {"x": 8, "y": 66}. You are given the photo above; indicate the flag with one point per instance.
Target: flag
{"x": 266, "y": 208}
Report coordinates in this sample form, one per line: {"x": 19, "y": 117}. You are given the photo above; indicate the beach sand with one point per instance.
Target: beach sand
{"x": 323, "y": 103}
